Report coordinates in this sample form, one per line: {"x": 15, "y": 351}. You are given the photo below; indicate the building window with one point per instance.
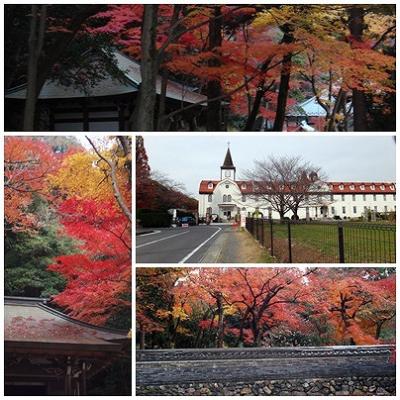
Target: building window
{"x": 226, "y": 186}
{"x": 224, "y": 198}
{"x": 364, "y": 197}
{"x": 351, "y": 187}
{"x": 229, "y": 198}
{"x": 362, "y": 187}
{"x": 341, "y": 187}
{"x": 227, "y": 173}
{"x": 382, "y": 187}
{"x": 244, "y": 199}
{"x": 365, "y": 209}
{"x": 331, "y": 197}
{"x": 354, "y": 197}
{"x": 210, "y": 198}
{"x": 342, "y": 197}
{"x": 244, "y": 186}
{"x": 243, "y": 208}
{"x": 384, "y": 197}
{"x": 394, "y": 197}
{"x": 375, "y": 208}
{"x": 354, "y": 210}
{"x": 210, "y": 185}
{"x": 372, "y": 187}
{"x": 344, "y": 210}
{"x": 333, "y": 210}
{"x": 374, "y": 197}
{"x": 385, "y": 208}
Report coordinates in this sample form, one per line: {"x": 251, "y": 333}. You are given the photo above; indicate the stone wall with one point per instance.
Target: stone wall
{"x": 351, "y": 386}
{"x": 332, "y": 370}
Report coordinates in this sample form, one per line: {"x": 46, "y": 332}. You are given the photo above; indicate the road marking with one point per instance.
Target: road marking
{"x": 149, "y": 234}
{"x": 199, "y": 246}
{"x": 160, "y": 240}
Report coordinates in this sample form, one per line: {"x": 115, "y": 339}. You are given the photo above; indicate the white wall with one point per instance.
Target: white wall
{"x": 348, "y": 203}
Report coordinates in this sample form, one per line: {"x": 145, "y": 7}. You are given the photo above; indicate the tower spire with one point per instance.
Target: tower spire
{"x": 227, "y": 168}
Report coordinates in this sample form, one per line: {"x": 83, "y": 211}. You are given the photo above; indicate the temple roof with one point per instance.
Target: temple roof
{"x": 111, "y": 87}
{"x": 30, "y": 322}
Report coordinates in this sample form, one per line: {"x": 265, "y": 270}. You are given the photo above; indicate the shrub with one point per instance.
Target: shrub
{"x": 154, "y": 219}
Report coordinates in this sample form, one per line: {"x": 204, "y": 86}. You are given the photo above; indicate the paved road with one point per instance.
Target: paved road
{"x": 177, "y": 245}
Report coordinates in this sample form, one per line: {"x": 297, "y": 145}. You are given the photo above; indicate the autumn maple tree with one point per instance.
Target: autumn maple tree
{"x": 95, "y": 209}
{"x": 219, "y": 307}
{"x": 27, "y": 164}
{"x": 69, "y": 207}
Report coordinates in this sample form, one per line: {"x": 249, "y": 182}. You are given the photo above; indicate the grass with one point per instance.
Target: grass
{"x": 319, "y": 243}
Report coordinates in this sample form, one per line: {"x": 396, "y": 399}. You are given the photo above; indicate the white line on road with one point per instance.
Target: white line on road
{"x": 199, "y": 247}
{"x": 160, "y": 240}
{"x": 149, "y": 234}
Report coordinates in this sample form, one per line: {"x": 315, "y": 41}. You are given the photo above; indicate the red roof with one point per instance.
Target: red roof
{"x": 208, "y": 186}
{"x": 205, "y": 186}
{"x": 362, "y": 187}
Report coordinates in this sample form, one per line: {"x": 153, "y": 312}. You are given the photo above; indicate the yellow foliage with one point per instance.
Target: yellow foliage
{"x": 82, "y": 176}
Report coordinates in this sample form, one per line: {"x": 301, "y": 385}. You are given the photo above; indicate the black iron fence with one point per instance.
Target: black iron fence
{"x": 324, "y": 241}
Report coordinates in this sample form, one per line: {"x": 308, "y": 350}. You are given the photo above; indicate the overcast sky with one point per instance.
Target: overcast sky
{"x": 189, "y": 159}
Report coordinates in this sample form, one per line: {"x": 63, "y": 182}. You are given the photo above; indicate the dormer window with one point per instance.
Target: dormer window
{"x": 391, "y": 187}
{"x": 341, "y": 187}
{"x": 351, "y": 187}
{"x": 362, "y": 187}
{"x": 243, "y": 186}
{"x": 382, "y": 187}
{"x": 372, "y": 187}
{"x": 210, "y": 185}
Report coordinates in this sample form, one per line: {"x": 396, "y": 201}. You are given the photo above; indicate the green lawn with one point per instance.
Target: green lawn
{"x": 319, "y": 243}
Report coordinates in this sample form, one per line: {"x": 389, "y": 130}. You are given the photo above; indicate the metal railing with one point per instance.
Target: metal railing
{"x": 325, "y": 241}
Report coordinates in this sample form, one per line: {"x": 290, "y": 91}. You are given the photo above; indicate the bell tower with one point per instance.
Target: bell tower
{"x": 228, "y": 170}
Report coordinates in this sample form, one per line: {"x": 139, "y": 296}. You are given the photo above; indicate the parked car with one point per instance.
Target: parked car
{"x": 186, "y": 221}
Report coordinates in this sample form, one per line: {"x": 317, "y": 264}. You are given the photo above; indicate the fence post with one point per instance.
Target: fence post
{"x": 289, "y": 242}
{"x": 272, "y": 235}
{"x": 341, "y": 243}
{"x": 262, "y": 232}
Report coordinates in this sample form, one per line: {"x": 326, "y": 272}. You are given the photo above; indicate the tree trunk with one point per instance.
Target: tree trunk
{"x": 142, "y": 339}
{"x": 378, "y": 329}
{"x": 356, "y": 27}
{"x": 256, "y": 108}
{"x": 214, "y": 90}
{"x": 220, "y": 310}
{"x": 143, "y": 117}
{"x": 284, "y": 81}
{"x": 162, "y": 123}
{"x": 35, "y": 45}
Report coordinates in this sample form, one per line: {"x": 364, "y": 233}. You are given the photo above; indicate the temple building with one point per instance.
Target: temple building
{"x": 106, "y": 107}
{"x": 227, "y": 198}
{"x": 49, "y": 353}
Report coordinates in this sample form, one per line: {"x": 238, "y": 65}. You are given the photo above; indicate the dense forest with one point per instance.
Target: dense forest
{"x": 231, "y": 307}
{"x": 254, "y": 63}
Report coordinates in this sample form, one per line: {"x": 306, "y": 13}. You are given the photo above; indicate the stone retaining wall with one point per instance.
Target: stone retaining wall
{"x": 351, "y": 386}
{"x": 340, "y": 370}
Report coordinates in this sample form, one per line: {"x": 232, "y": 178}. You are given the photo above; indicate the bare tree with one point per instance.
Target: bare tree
{"x": 286, "y": 184}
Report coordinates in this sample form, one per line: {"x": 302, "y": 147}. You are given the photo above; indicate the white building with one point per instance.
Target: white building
{"x": 227, "y": 198}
